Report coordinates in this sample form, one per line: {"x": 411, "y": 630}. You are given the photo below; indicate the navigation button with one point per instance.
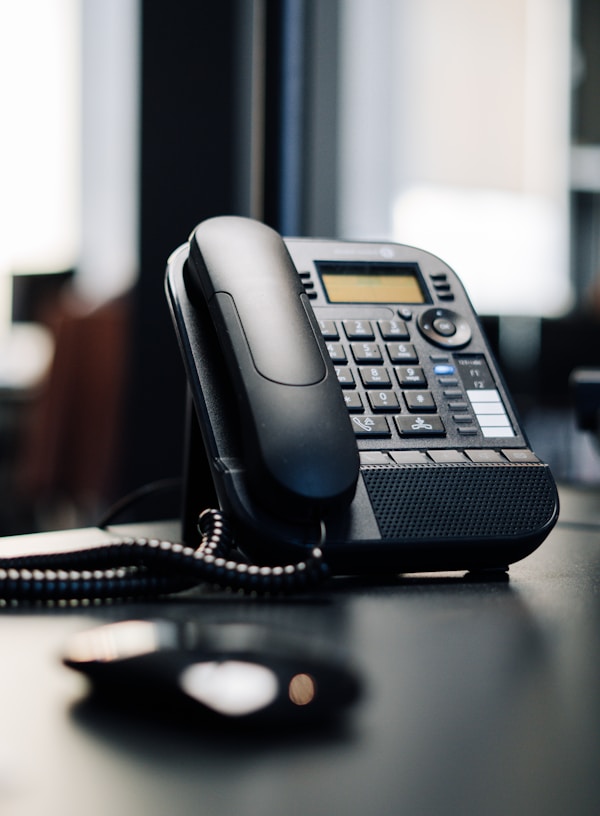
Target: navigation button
{"x": 444, "y": 327}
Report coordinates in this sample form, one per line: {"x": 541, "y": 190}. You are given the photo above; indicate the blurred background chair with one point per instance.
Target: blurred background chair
{"x": 68, "y": 465}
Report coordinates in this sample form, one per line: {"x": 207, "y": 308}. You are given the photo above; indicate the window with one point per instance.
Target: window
{"x": 454, "y": 136}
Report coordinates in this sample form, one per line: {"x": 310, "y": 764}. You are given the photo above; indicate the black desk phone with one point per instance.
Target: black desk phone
{"x": 346, "y": 417}
{"x": 345, "y": 397}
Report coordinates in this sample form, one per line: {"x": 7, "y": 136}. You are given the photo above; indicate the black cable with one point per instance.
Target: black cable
{"x": 143, "y": 568}
{"x": 137, "y": 495}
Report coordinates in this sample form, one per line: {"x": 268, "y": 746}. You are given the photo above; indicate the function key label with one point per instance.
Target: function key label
{"x": 474, "y": 371}
{"x": 484, "y": 397}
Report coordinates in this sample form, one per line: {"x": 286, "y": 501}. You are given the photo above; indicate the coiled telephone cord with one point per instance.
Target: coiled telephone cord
{"x": 133, "y": 568}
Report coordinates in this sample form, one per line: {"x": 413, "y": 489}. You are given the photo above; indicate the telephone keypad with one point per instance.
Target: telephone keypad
{"x": 382, "y": 373}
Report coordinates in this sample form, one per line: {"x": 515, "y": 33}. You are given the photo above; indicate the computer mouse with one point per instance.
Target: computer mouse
{"x": 234, "y": 671}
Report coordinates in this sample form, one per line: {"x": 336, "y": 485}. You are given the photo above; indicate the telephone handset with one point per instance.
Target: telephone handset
{"x": 345, "y": 395}
{"x": 299, "y": 447}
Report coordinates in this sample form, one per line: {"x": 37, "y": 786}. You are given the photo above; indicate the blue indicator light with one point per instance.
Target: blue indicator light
{"x": 443, "y": 370}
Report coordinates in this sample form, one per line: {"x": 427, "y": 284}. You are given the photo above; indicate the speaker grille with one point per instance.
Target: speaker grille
{"x": 416, "y": 502}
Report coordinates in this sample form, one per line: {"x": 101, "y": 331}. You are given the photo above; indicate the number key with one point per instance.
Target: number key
{"x": 366, "y": 352}
{"x": 345, "y": 376}
{"x": 383, "y": 401}
{"x": 411, "y": 377}
{"x": 393, "y": 330}
{"x": 358, "y": 330}
{"x": 375, "y": 377}
{"x": 328, "y": 330}
{"x": 402, "y": 353}
{"x": 336, "y": 352}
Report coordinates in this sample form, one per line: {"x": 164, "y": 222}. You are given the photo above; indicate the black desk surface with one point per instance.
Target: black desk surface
{"x": 479, "y": 699}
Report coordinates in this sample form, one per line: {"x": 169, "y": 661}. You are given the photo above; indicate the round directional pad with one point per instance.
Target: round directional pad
{"x": 444, "y": 327}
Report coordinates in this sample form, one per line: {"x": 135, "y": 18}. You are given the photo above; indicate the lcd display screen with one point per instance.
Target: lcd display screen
{"x": 371, "y": 283}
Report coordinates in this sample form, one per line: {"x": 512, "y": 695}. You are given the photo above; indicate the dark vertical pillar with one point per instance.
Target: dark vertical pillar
{"x": 196, "y": 106}
{"x": 187, "y": 126}
{"x": 302, "y": 55}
